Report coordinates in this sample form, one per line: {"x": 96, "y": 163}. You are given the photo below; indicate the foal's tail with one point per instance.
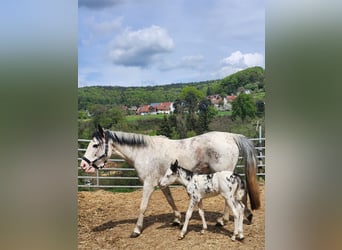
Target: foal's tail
{"x": 240, "y": 191}
{"x": 248, "y": 152}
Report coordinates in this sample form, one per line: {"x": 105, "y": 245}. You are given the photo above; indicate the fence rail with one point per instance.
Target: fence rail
{"x": 105, "y": 178}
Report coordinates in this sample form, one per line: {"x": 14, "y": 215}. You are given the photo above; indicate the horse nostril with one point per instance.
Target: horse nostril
{"x": 83, "y": 165}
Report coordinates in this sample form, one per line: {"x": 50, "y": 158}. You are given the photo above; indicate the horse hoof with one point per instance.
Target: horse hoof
{"x": 176, "y": 224}
{"x": 180, "y": 237}
{"x": 249, "y": 218}
{"x": 134, "y": 235}
{"x": 218, "y": 224}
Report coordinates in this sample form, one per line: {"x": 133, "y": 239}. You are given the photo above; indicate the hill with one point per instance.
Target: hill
{"x": 251, "y": 78}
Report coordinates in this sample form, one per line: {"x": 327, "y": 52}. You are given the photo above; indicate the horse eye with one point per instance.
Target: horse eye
{"x": 96, "y": 145}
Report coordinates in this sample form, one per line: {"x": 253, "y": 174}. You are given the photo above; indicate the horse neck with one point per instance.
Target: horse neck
{"x": 127, "y": 144}
{"x": 182, "y": 178}
{"x": 126, "y": 152}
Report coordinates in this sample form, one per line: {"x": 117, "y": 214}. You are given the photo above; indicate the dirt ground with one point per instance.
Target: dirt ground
{"x": 106, "y": 220}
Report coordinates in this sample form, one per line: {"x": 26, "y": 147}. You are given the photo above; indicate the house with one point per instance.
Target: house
{"x": 165, "y": 108}
{"x": 230, "y": 98}
{"x": 155, "y": 108}
{"x": 216, "y": 100}
{"x": 222, "y": 104}
{"x": 143, "y": 110}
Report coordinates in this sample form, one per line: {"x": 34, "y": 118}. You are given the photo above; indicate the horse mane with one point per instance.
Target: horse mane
{"x": 187, "y": 172}
{"x": 98, "y": 136}
{"x": 121, "y": 138}
{"x": 129, "y": 139}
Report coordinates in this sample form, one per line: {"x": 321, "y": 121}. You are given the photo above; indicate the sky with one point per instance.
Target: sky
{"x": 158, "y": 42}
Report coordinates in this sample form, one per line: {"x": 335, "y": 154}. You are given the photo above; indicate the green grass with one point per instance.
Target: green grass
{"x": 130, "y": 118}
{"x": 224, "y": 113}
{"x": 259, "y": 96}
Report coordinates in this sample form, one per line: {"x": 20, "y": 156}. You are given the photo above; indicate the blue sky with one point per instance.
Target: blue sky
{"x": 156, "y": 42}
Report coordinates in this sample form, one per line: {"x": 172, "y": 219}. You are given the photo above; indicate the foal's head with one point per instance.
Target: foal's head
{"x": 170, "y": 175}
{"x": 175, "y": 173}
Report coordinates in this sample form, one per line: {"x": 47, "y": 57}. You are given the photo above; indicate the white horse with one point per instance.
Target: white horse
{"x": 202, "y": 186}
{"x": 151, "y": 156}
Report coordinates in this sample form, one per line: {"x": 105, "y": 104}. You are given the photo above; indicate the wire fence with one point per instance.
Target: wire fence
{"x": 119, "y": 175}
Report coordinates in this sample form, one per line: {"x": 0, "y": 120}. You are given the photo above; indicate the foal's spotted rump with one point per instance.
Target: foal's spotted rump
{"x": 226, "y": 183}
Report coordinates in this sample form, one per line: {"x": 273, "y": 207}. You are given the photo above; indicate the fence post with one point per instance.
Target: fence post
{"x": 260, "y": 145}
{"x": 97, "y": 178}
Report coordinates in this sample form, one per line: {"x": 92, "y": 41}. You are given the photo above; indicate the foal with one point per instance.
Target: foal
{"x": 229, "y": 185}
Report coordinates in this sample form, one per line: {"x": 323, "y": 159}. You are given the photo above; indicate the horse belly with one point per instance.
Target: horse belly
{"x": 218, "y": 150}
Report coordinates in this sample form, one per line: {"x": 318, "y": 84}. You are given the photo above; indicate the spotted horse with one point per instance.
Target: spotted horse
{"x": 202, "y": 186}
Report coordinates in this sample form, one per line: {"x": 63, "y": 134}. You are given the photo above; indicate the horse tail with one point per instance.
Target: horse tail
{"x": 247, "y": 150}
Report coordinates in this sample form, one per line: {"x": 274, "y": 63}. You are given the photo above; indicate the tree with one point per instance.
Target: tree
{"x": 260, "y": 107}
{"x": 106, "y": 116}
{"x": 206, "y": 112}
{"x": 165, "y": 128}
{"x": 191, "y": 97}
{"x": 243, "y": 107}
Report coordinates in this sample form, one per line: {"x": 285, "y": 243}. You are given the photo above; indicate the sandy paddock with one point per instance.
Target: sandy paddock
{"x": 106, "y": 220}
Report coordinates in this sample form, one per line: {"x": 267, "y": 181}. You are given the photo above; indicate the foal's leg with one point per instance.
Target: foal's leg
{"x": 234, "y": 207}
{"x": 201, "y": 213}
{"x": 220, "y": 221}
{"x": 147, "y": 191}
{"x": 168, "y": 196}
{"x": 241, "y": 209}
{"x": 187, "y": 218}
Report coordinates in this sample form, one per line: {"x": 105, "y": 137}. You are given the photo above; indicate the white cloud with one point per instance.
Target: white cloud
{"x": 97, "y": 31}
{"x": 105, "y": 27}
{"x": 225, "y": 71}
{"x": 237, "y": 59}
{"x": 140, "y": 48}
{"x": 189, "y": 62}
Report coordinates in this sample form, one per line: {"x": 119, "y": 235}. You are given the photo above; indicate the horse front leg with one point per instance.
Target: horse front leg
{"x": 169, "y": 198}
{"x": 187, "y": 218}
{"x": 147, "y": 191}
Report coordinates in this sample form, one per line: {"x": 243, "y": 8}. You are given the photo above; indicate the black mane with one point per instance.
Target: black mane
{"x": 187, "y": 172}
{"x": 129, "y": 139}
{"x": 98, "y": 136}
{"x": 121, "y": 138}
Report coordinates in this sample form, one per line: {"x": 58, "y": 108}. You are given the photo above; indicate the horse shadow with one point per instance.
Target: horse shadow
{"x": 167, "y": 218}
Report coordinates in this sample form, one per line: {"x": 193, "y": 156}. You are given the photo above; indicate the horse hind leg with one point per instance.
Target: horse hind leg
{"x": 167, "y": 193}
{"x": 240, "y": 222}
{"x": 201, "y": 213}
{"x": 147, "y": 191}
{"x": 247, "y": 211}
{"x": 220, "y": 220}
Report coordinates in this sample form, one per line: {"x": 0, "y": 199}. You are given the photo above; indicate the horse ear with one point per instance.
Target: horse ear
{"x": 174, "y": 166}
{"x": 100, "y": 129}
